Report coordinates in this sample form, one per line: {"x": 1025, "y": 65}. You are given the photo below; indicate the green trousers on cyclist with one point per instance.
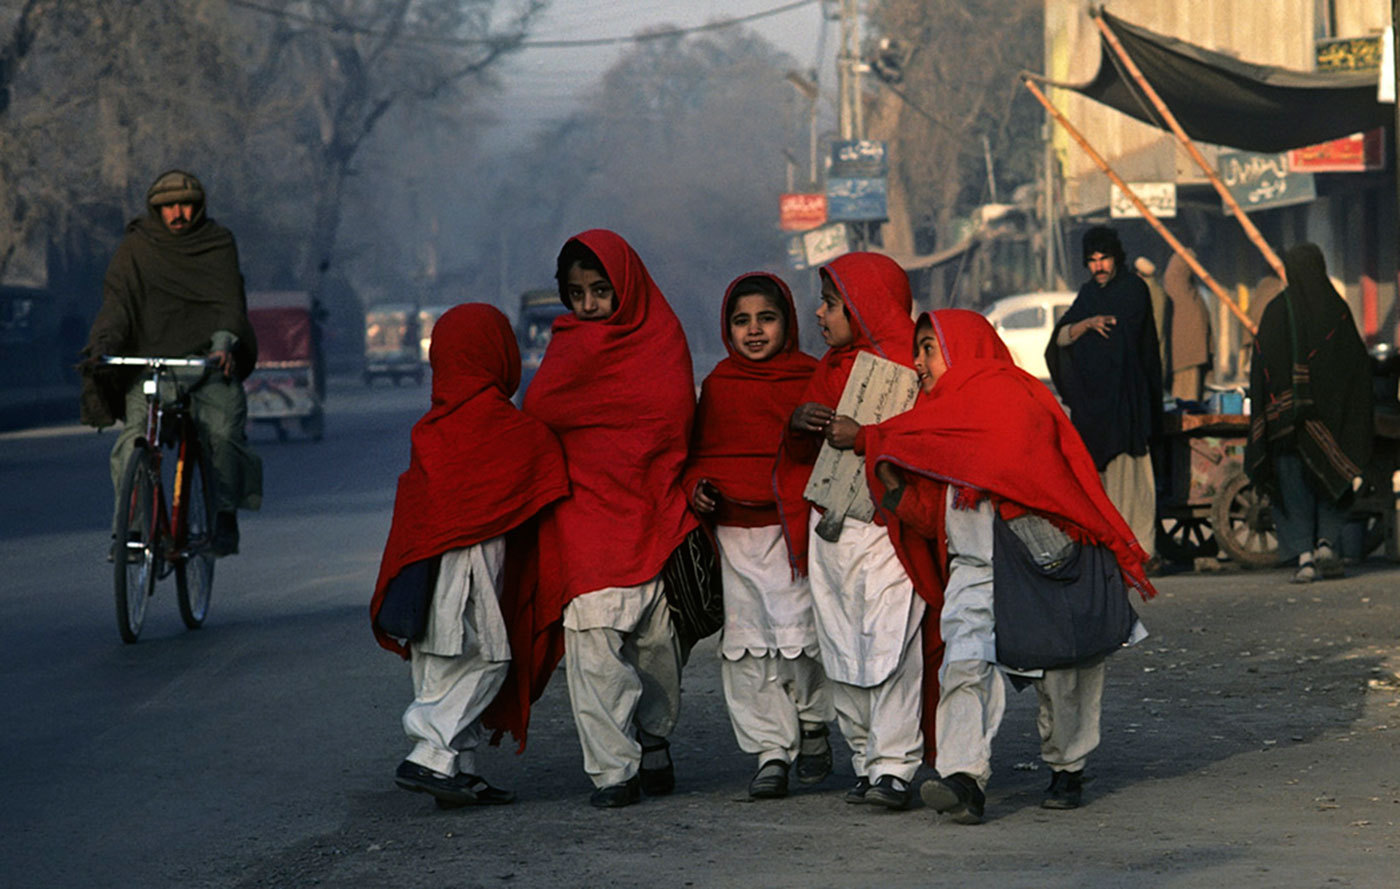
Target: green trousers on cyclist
{"x": 220, "y": 411}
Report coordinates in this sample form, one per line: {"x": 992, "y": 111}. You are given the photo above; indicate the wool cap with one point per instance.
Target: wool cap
{"x": 173, "y": 187}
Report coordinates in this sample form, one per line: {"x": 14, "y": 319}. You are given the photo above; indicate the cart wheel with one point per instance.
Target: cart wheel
{"x": 1244, "y": 523}
{"x": 1183, "y": 539}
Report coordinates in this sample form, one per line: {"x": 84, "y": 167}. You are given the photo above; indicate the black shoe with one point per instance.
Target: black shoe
{"x": 890, "y": 792}
{"x": 957, "y": 795}
{"x": 771, "y": 780}
{"x": 1066, "y": 790}
{"x": 450, "y": 791}
{"x": 482, "y": 793}
{"x": 814, "y": 767}
{"x": 225, "y": 541}
{"x": 659, "y": 781}
{"x": 856, "y": 796}
{"x": 615, "y": 796}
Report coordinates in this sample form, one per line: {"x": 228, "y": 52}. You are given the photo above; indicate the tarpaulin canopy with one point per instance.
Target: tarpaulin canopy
{"x": 1225, "y": 101}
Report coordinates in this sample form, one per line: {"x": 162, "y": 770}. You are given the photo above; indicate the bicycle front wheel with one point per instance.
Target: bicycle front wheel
{"x": 135, "y": 550}
{"x": 194, "y": 572}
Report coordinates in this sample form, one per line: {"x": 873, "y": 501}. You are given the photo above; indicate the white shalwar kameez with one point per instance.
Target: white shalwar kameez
{"x": 623, "y": 665}
{"x": 461, "y": 661}
{"x": 769, "y": 662}
{"x": 868, "y": 618}
{"x": 972, "y": 693}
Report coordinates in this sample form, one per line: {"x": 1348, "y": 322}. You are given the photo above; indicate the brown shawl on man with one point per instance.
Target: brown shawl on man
{"x": 1310, "y": 382}
{"x": 1189, "y": 337}
{"x": 164, "y": 295}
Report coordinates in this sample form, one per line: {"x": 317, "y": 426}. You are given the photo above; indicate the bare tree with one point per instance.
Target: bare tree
{"x": 955, "y": 62}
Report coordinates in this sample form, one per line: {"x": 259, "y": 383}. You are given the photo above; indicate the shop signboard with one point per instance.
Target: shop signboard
{"x": 1160, "y": 198}
{"x": 799, "y": 212}
{"x": 856, "y": 200}
{"x": 1261, "y": 181}
{"x": 859, "y": 159}
{"x": 825, "y": 244}
{"x": 1357, "y": 153}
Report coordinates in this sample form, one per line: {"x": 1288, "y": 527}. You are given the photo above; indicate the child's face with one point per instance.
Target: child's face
{"x": 756, "y": 327}
{"x": 831, "y": 316}
{"x": 928, "y": 358}
{"x": 591, "y": 296}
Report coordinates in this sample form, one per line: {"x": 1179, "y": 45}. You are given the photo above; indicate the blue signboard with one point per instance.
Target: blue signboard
{"x": 856, "y": 200}
{"x": 859, "y": 159}
{"x": 1259, "y": 181}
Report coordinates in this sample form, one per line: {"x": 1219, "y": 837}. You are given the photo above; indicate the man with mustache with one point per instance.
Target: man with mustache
{"x": 1104, "y": 360}
{"x": 174, "y": 290}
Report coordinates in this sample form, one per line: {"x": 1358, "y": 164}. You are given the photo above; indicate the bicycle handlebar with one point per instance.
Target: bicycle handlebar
{"x": 157, "y": 362}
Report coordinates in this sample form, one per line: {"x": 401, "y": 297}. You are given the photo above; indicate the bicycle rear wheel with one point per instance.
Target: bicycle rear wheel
{"x": 136, "y": 549}
{"x": 194, "y": 573}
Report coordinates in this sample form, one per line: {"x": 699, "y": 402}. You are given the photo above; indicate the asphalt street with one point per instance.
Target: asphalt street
{"x": 1251, "y": 741}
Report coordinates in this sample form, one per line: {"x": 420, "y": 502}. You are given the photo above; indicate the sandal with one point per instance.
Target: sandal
{"x": 813, "y": 763}
{"x": 771, "y": 780}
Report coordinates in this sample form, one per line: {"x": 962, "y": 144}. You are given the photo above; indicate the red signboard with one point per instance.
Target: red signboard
{"x": 1356, "y": 153}
{"x": 799, "y": 212}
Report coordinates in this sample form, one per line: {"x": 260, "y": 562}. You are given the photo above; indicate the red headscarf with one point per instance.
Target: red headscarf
{"x": 744, "y": 409}
{"x": 991, "y": 430}
{"x": 478, "y": 467}
{"x": 620, "y": 394}
{"x": 877, "y": 297}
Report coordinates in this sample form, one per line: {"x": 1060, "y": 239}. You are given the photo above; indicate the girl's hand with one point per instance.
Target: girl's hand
{"x": 811, "y": 417}
{"x": 841, "y": 433}
{"x": 889, "y": 476}
{"x": 705, "y": 498}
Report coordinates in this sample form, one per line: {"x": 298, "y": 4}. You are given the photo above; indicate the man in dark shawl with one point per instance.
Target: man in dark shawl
{"x": 172, "y": 290}
{"x": 1104, "y": 360}
{"x": 1311, "y": 429}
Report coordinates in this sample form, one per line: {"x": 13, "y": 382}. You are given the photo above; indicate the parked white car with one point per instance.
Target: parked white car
{"x": 1025, "y": 322}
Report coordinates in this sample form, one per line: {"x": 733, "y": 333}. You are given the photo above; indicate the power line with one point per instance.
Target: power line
{"x": 667, "y": 33}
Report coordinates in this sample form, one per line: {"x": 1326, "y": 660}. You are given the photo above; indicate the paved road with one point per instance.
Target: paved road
{"x": 1252, "y": 740}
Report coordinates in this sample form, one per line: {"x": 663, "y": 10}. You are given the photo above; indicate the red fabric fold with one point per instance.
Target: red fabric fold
{"x": 740, "y": 421}
{"x": 620, "y": 394}
{"x": 876, "y": 293}
{"x": 478, "y": 467}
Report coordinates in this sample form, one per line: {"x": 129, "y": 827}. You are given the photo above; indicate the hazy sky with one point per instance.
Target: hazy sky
{"x": 541, "y": 83}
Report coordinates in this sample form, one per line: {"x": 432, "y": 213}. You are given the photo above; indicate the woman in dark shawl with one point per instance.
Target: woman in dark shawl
{"x": 1311, "y": 431}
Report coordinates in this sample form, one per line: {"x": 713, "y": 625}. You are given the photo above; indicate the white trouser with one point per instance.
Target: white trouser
{"x": 1071, "y": 700}
{"x": 882, "y": 724}
{"x": 460, "y": 663}
{"x": 1132, "y": 488}
{"x": 971, "y": 703}
{"x": 623, "y": 664}
{"x": 770, "y": 697}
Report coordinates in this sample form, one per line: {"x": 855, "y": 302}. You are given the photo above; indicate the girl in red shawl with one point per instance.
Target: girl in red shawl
{"x": 986, "y": 438}
{"x": 478, "y": 469}
{"x": 774, "y": 686}
{"x": 867, "y": 613}
{"x": 616, "y": 386}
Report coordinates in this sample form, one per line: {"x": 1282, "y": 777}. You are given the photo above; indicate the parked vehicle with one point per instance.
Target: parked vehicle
{"x": 391, "y": 343}
{"x": 427, "y": 317}
{"x": 1025, "y": 322}
{"x": 538, "y": 309}
{"x": 287, "y": 387}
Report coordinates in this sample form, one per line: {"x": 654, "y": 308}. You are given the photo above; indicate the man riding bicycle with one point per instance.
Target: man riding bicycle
{"x": 173, "y": 289}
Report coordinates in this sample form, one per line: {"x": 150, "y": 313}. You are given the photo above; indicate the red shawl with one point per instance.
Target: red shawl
{"x": 620, "y": 394}
{"x": 991, "y": 430}
{"x": 478, "y": 467}
{"x": 739, "y": 424}
{"x": 877, "y": 296}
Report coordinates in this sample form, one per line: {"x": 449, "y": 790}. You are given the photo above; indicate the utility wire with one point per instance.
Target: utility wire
{"x": 523, "y": 44}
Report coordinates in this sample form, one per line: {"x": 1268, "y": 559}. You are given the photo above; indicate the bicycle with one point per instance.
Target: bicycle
{"x": 150, "y": 542}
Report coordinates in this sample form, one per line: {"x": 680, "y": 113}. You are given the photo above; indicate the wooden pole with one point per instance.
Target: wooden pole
{"x": 1245, "y": 222}
{"x": 1142, "y": 208}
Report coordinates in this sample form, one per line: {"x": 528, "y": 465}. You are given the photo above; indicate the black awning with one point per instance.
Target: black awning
{"x": 1225, "y": 101}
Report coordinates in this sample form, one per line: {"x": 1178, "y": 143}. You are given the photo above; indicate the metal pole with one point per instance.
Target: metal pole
{"x": 1249, "y": 229}
{"x": 1051, "y": 222}
{"x": 1142, "y": 208}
